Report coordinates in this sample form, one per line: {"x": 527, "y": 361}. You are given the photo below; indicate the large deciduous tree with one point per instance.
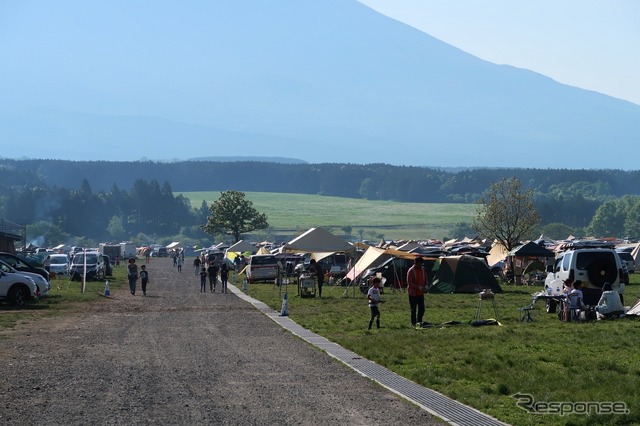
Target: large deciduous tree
{"x": 506, "y": 213}
{"x": 234, "y": 215}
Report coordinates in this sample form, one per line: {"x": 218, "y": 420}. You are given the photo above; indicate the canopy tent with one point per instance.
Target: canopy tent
{"x": 463, "y": 274}
{"x": 531, "y": 249}
{"x": 371, "y": 258}
{"x": 317, "y": 240}
{"x": 173, "y": 245}
{"x": 375, "y": 256}
{"x": 242, "y": 246}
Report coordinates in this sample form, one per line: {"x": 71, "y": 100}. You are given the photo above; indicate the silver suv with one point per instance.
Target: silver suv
{"x": 594, "y": 266}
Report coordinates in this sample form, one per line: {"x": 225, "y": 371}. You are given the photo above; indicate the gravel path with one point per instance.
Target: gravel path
{"x": 177, "y": 356}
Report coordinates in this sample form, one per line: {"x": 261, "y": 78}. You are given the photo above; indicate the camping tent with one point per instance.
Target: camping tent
{"x": 531, "y": 249}
{"x": 463, "y": 274}
{"x": 241, "y": 247}
{"x": 317, "y": 240}
{"x": 372, "y": 257}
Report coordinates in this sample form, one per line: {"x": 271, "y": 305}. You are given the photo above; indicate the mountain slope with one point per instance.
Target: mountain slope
{"x": 330, "y": 81}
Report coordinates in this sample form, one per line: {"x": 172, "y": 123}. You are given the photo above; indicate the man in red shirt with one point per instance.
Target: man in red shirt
{"x": 417, "y": 281}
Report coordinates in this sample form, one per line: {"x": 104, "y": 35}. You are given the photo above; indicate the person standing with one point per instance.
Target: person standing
{"x": 47, "y": 264}
{"x": 224, "y": 277}
{"x": 179, "y": 262}
{"x": 417, "y": 282}
{"x": 132, "y": 271}
{"x": 144, "y": 279}
{"x": 196, "y": 265}
{"x": 203, "y": 280}
{"x": 373, "y": 296}
{"x": 316, "y": 269}
{"x": 212, "y": 272}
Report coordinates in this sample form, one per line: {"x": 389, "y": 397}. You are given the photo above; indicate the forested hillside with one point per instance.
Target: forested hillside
{"x": 33, "y": 190}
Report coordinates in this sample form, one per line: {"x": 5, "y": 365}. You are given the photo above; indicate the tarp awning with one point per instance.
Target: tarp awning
{"x": 242, "y": 246}
{"x": 317, "y": 240}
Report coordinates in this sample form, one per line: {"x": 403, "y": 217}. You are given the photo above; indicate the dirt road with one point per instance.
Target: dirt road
{"x": 177, "y": 356}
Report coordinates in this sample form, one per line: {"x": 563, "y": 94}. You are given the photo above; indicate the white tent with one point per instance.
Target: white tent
{"x": 173, "y": 245}
{"x": 317, "y": 241}
{"x": 241, "y": 247}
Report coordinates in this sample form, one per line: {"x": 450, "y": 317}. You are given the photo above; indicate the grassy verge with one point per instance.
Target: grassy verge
{"x": 64, "y": 296}
{"x": 484, "y": 366}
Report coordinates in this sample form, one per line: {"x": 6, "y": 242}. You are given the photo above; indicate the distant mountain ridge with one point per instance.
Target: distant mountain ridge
{"x": 330, "y": 81}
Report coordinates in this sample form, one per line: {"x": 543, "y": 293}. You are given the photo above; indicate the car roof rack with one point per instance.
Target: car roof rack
{"x": 586, "y": 244}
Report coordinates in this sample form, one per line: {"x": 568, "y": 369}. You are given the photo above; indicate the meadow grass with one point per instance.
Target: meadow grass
{"x": 484, "y": 366}
{"x": 292, "y": 214}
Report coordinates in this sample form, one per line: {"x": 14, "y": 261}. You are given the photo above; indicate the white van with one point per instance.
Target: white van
{"x": 262, "y": 267}
{"x": 593, "y": 266}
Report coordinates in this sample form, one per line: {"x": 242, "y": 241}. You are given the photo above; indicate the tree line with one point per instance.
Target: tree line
{"x": 127, "y": 195}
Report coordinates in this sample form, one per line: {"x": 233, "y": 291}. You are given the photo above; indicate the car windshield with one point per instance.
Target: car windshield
{"x": 91, "y": 258}
{"x": 58, "y": 261}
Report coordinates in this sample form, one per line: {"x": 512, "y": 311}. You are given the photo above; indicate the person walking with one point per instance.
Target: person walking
{"x": 373, "y": 296}
{"x": 212, "y": 272}
{"x": 144, "y": 279}
{"x": 316, "y": 269}
{"x": 203, "y": 280}
{"x": 224, "y": 277}
{"x": 132, "y": 274}
{"x": 417, "y": 281}
{"x": 196, "y": 264}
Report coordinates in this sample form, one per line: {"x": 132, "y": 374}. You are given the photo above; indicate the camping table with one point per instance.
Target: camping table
{"x": 560, "y": 299}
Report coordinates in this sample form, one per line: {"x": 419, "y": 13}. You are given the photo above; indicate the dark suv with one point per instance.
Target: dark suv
{"x": 21, "y": 264}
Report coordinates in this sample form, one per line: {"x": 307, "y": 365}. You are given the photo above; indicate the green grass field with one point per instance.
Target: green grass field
{"x": 291, "y": 214}
{"x": 484, "y": 366}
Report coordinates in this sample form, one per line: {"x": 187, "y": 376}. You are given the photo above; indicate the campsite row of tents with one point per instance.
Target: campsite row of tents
{"x": 450, "y": 274}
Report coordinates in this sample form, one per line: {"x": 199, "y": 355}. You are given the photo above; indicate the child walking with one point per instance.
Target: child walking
{"x": 373, "y": 296}
{"x": 203, "y": 280}
{"x": 144, "y": 279}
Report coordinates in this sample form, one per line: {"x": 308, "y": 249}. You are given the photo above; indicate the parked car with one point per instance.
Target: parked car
{"x": 24, "y": 265}
{"x": 628, "y": 259}
{"x": 18, "y": 289}
{"x": 159, "y": 252}
{"x": 43, "y": 285}
{"x": 593, "y": 266}
{"x": 94, "y": 266}
{"x": 59, "y": 264}
{"x": 262, "y": 267}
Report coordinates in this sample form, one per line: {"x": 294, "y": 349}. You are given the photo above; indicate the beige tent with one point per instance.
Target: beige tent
{"x": 317, "y": 241}
{"x": 241, "y": 247}
{"x": 497, "y": 253}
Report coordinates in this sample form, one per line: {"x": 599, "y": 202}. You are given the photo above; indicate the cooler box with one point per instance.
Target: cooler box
{"x": 306, "y": 286}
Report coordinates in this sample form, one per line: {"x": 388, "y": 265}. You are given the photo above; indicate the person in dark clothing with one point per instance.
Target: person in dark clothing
{"x": 316, "y": 269}
{"x": 144, "y": 279}
{"x": 224, "y": 277}
{"x": 196, "y": 265}
{"x": 212, "y": 272}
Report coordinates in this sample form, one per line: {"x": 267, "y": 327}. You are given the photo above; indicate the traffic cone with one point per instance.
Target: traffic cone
{"x": 107, "y": 292}
{"x": 285, "y": 306}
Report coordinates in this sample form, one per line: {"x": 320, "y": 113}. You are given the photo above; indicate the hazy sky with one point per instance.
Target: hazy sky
{"x": 591, "y": 44}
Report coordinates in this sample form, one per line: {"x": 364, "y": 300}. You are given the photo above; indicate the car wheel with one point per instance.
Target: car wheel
{"x": 19, "y": 295}
{"x": 551, "y": 306}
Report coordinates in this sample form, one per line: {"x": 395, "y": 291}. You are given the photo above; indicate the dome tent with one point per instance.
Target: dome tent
{"x": 463, "y": 274}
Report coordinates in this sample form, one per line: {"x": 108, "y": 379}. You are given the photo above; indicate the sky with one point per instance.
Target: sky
{"x": 590, "y": 44}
